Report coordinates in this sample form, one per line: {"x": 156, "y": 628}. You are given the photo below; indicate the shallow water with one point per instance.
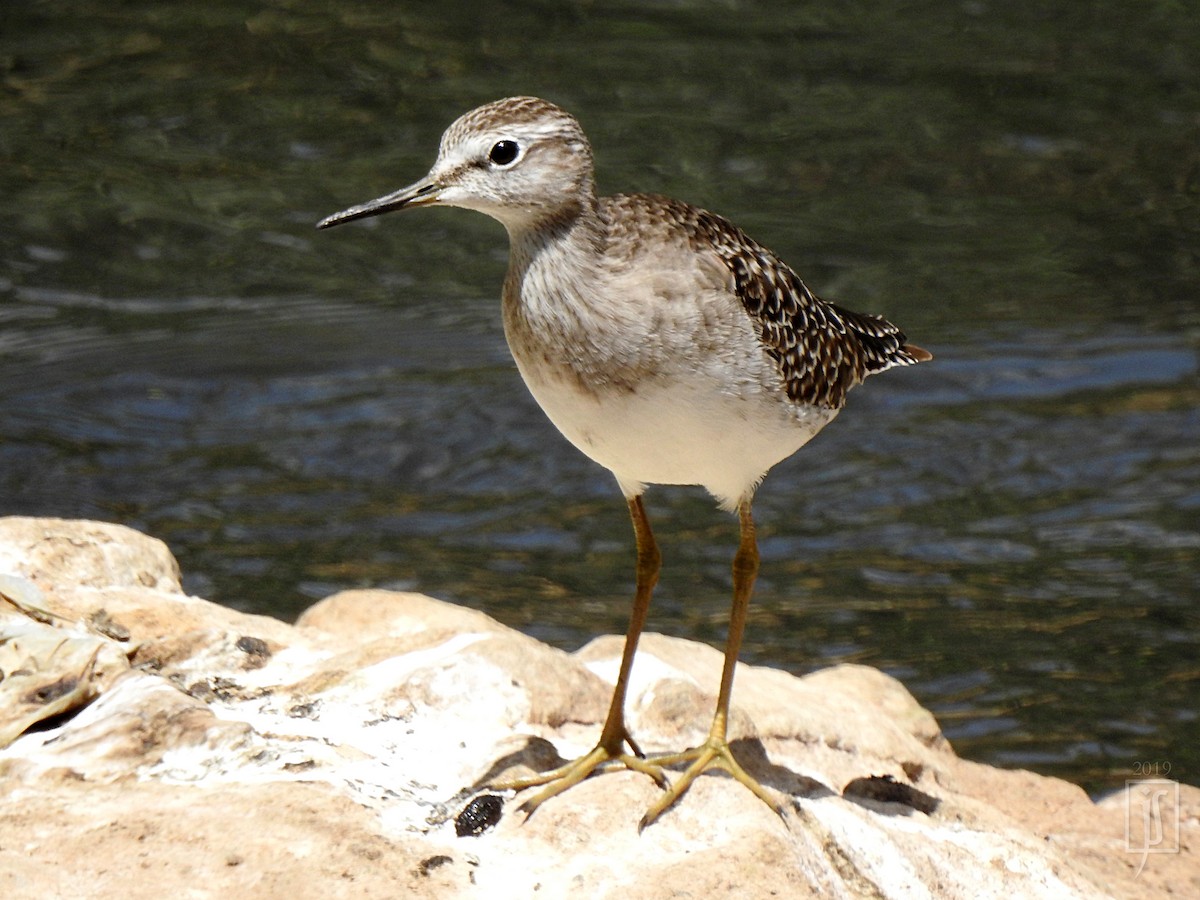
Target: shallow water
{"x": 1011, "y": 530}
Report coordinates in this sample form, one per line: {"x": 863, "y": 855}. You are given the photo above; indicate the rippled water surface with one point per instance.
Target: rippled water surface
{"x": 1012, "y": 530}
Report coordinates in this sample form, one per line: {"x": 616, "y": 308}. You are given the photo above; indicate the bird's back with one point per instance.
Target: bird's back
{"x": 820, "y": 349}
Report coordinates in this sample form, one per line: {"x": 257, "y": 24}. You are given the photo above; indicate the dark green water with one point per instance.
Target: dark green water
{"x": 1013, "y": 530}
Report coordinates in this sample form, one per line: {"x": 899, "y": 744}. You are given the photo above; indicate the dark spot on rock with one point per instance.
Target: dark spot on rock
{"x": 104, "y": 624}
{"x": 201, "y": 690}
{"x": 304, "y": 710}
{"x": 52, "y": 722}
{"x": 886, "y": 789}
{"x": 479, "y": 815}
{"x": 914, "y": 770}
{"x": 433, "y": 862}
{"x": 215, "y": 688}
{"x": 255, "y": 648}
{"x": 48, "y": 693}
{"x": 146, "y": 659}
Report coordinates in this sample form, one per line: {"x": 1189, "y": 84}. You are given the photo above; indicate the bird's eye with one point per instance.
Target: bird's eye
{"x": 504, "y": 153}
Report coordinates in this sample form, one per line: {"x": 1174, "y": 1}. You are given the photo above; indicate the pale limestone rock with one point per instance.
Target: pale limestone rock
{"x": 208, "y": 753}
{"x": 46, "y": 671}
{"x": 85, "y": 554}
{"x": 386, "y": 624}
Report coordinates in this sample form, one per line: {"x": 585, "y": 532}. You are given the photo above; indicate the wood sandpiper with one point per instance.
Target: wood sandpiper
{"x": 665, "y": 344}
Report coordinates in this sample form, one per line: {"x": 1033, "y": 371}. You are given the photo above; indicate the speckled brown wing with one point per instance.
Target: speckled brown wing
{"x": 821, "y": 349}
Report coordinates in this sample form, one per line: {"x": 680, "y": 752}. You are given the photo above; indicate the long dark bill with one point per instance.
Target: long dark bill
{"x": 422, "y": 193}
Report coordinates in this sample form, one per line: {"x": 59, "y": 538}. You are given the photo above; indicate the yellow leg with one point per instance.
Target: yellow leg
{"x": 613, "y": 738}
{"x": 715, "y": 752}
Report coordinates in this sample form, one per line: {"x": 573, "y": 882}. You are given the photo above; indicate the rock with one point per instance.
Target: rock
{"x": 85, "y": 554}
{"x": 160, "y": 744}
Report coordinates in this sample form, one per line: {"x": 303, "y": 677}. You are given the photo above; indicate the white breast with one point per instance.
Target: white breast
{"x": 683, "y": 432}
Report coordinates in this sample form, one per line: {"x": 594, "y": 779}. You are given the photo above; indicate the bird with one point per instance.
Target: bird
{"x": 666, "y": 345}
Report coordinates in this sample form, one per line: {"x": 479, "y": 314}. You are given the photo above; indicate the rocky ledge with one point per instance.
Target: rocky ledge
{"x": 154, "y": 744}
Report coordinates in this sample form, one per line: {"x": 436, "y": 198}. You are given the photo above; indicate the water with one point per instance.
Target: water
{"x": 1011, "y": 530}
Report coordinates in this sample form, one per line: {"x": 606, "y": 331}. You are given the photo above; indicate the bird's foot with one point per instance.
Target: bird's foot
{"x": 712, "y": 754}
{"x": 605, "y": 755}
